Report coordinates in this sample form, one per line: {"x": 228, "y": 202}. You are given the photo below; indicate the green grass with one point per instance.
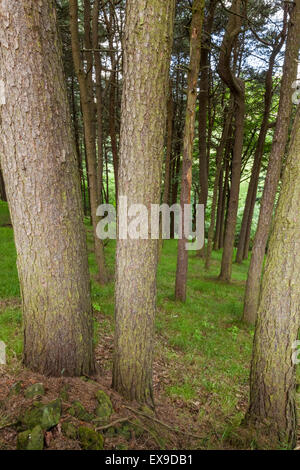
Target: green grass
{"x": 204, "y": 344}
{"x": 4, "y": 214}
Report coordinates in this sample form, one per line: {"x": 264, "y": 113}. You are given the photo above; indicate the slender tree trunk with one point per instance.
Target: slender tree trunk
{"x": 112, "y": 96}
{"x": 38, "y": 160}
{"x": 147, "y": 53}
{"x": 219, "y": 209}
{"x": 89, "y": 131}
{"x": 225, "y": 199}
{"x": 219, "y": 158}
{"x": 249, "y": 225}
{"x": 174, "y": 192}
{"x": 203, "y": 107}
{"x": 237, "y": 89}
{"x": 76, "y": 136}
{"x": 170, "y": 122}
{"x": 252, "y": 190}
{"x": 274, "y": 167}
{"x": 170, "y": 118}
{"x": 273, "y": 387}
{"x": 188, "y": 143}
{"x": 97, "y": 60}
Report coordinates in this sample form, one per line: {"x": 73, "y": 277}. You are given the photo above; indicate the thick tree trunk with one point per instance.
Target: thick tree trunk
{"x": 188, "y": 143}
{"x": 38, "y": 160}
{"x": 89, "y": 131}
{"x": 273, "y": 387}
{"x": 274, "y": 167}
{"x": 237, "y": 89}
{"x": 147, "y": 52}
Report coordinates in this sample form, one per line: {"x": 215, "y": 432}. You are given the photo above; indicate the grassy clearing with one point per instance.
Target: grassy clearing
{"x": 203, "y": 344}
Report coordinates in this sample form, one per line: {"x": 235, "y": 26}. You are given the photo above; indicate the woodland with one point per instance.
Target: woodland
{"x": 127, "y": 344}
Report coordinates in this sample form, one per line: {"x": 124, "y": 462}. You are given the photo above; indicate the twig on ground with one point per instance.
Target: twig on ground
{"x": 110, "y": 425}
{"x": 196, "y": 436}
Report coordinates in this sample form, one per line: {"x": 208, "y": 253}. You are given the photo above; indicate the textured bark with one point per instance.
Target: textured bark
{"x": 237, "y": 89}
{"x": 188, "y": 142}
{"x": 89, "y": 132}
{"x": 39, "y": 164}
{"x": 219, "y": 158}
{"x": 273, "y": 387}
{"x": 147, "y": 44}
{"x": 274, "y": 167}
{"x": 252, "y": 190}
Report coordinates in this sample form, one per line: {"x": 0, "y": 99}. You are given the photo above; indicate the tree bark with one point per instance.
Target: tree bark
{"x": 237, "y": 88}
{"x": 147, "y": 43}
{"x": 274, "y": 167}
{"x": 38, "y": 160}
{"x": 188, "y": 143}
{"x": 273, "y": 387}
{"x": 89, "y": 131}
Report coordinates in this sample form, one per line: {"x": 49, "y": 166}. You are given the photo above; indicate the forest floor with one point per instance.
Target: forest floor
{"x": 201, "y": 364}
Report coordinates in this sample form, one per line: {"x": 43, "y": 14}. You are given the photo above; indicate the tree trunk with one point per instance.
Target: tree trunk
{"x": 237, "y": 88}
{"x": 252, "y": 190}
{"x": 170, "y": 119}
{"x": 174, "y": 192}
{"x": 188, "y": 143}
{"x": 225, "y": 199}
{"x": 274, "y": 167}
{"x": 147, "y": 53}
{"x": 97, "y": 60}
{"x": 89, "y": 131}
{"x": 219, "y": 158}
{"x": 203, "y": 107}
{"x": 273, "y": 387}
{"x": 38, "y": 160}
{"x": 219, "y": 209}
{"x": 112, "y": 94}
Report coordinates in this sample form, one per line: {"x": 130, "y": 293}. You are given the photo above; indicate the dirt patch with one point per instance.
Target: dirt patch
{"x": 12, "y": 302}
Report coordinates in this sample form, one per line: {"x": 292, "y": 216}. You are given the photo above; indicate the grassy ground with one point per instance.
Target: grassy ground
{"x": 203, "y": 350}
